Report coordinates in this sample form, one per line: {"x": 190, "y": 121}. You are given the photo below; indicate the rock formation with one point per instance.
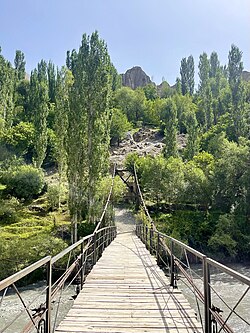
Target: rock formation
{"x": 135, "y": 77}
{"x": 246, "y": 76}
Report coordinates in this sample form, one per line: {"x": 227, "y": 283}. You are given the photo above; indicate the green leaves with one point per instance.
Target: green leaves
{"x": 88, "y": 119}
{"x": 170, "y": 128}
{"x": 187, "y": 75}
{"x": 23, "y": 182}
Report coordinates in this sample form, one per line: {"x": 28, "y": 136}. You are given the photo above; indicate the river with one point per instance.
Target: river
{"x": 12, "y": 306}
{"x": 230, "y": 290}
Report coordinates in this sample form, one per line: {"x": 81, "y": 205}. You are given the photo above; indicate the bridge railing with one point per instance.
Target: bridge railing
{"x": 198, "y": 272}
{"x": 78, "y": 260}
{"x": 185, "y": 265}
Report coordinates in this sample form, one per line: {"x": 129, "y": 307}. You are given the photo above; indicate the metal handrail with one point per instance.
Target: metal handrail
{"x": 229, "y": 271}
{"x": 24, "y": 272}
{"x": 173, "y": 263}
{"x": 69, "y": 249}
{"x": 211, "y": 313}
{"x": 97, "y": 242}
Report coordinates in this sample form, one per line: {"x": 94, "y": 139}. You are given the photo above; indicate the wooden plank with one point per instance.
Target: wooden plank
{"x": 126, "y": 292}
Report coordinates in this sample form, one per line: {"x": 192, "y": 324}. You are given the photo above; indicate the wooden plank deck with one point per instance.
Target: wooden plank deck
{"x": 126, "y": 292}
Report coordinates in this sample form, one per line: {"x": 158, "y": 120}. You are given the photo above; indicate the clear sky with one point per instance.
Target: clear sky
{"x": 153, "y": 34}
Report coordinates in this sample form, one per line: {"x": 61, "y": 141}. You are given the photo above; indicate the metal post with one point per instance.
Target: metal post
{"x": 82, "y": 263}
{"x": 48, "y": 297}
{"x": 158, "y": 249}
{"x": 172, "y": 275}
{"x": 103, "y": 240}
{"x": 94, "y": 248}
{"x": 106, "y": 237}
{"x": 207, "y": 296}
{"x": 146, "y": 236}
{"x": 151, "y": 235}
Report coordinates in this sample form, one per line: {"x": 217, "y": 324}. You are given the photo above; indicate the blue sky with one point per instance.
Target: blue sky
{"x": 153, "y": 34}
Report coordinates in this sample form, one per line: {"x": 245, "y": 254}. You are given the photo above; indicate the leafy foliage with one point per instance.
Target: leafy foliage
{"x": 23, "y": 182}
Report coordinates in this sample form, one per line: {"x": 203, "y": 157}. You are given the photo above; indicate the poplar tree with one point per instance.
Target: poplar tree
{"x": 190, "y": 69}
{"x": 184, "y": 76}
{"x": 203, "y": 72}
{"x": 6, "y": 92}
{"x": 19, "y": 63}
{"x": 214, "y": 64}
{"x": 39, "y": 104}
{"x": 89, "y": 125}
{"x": 187, "y": 75}
{"x": 64, "y": 81}
{"x": 51, "y": 81}
{"x": 235, "y": 68}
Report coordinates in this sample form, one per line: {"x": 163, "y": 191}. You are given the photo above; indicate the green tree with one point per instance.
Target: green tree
{"x": 89, "y": 125}
{"x": 51, "y": 72}
{"x": 192, "y": 147}
{"x": 150, "y": 91}
{"x": 19, "y": 63}
{"x": 231, "y": 172}
{"x": 7, "y": 83}
{"x": 214, "y": 64}
{"x": 195, "y": 184}
{"x": 184, "y": 106}
{"x": 19, "y": 139}
{"x": 119, "y": 125}
{"x": 184, "y": 76}
{"x": 170, "y": 132}
{"x": 64, "y": 81}
{"x": 235, "y": 68}
{"x": 187, "y": 75}
{"x": 39, "y": 103}
{"x": 153, "y": 111}
{"x": 152, "y": 177}
{"x": 178, "y": 85}
{"x": 131, "y": 102}
{"x": 203, "y": 72}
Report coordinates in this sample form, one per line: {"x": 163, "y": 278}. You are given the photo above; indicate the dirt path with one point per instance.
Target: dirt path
{"x": 124, "y": 220}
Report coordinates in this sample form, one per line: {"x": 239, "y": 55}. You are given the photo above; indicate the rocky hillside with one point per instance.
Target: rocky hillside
{"x": 146, "y": 141}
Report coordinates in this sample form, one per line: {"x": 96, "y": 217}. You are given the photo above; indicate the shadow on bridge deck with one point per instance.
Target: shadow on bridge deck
{"x": 126, "y": 292}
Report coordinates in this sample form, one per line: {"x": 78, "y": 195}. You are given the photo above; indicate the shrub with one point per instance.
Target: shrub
{"x": 17, "y": 253}
{"x": 9, "y": 211}
{"x": 24, "y": 182}
{"x": 53, "y": 197}
{"x": 54, "y": 194}
{"x": 130, "y": 160}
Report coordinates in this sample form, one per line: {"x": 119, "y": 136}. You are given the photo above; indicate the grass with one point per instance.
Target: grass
{"x": 32, "y": 232}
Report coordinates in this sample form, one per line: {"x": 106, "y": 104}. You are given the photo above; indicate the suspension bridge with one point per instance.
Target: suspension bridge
{"x": 127, "y": 278}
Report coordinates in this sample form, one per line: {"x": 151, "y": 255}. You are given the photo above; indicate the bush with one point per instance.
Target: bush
{"x": 130, "y": 160}
{"x": 15, "y": 254}
{"x": 24, "y": 182}
{"x": 9, "y": 211}
{"x": 53, "y": 197}
{"x": 54, "y": 194}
